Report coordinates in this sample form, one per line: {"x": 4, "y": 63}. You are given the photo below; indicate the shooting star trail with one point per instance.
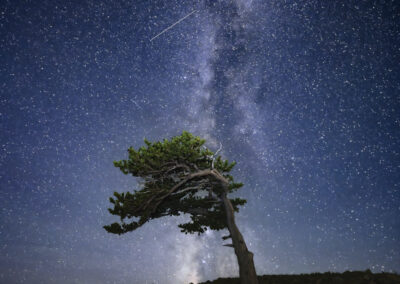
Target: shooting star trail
{"x": 172, "y": 25}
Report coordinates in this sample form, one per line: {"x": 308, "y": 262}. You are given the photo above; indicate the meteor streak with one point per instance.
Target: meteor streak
{"x": 172, "y": 25}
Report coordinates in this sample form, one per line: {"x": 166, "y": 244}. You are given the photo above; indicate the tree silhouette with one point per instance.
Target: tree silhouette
{"x": 181, "y": 176}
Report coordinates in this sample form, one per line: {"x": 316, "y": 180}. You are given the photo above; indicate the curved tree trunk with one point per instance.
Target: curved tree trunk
{"x": 247, "y": 270}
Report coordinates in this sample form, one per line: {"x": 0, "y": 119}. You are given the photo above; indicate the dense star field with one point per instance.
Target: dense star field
{"x": 303, "y": 95}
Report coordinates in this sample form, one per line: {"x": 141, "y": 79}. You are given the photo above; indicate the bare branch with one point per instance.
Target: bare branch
{"x": 186, "y": 189}
{"x": 192, "y": 165}
{"x": 228, "y": 245}
{"x": 195, "y": 166}
{"x": 187, "y": 179}
{"x": 220, "y": 177}
{"x": 177, "y": 167}
{"x": 168, "y": 163}
{"x": 204, "y": 180}
{"x": 166, "y": 171}
{"x": 174, "y": 188}
{"x": 215, "y": 155}
{"x": 211, "y": 195}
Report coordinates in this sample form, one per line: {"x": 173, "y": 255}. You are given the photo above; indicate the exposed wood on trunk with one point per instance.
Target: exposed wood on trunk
{"x": 247, "y": 270}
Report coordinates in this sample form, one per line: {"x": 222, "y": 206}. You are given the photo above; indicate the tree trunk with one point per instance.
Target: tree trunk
{"x": 247, "y": 270}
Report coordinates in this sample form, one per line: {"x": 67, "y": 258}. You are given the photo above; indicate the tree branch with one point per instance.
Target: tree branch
{"x": 226, "y": 237}
{"x": 213, "y": 156}
{"x": 187, "y": 189}
{"x": 177, "y": 167}
{"x": 218, "y": 176}
{"x": 174, "y": 188}
{"x": 189, "y": 177}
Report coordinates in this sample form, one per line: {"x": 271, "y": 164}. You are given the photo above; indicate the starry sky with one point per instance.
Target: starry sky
{"x": 303, "y": 95}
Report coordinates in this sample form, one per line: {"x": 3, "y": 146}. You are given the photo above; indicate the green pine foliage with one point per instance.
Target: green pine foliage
{"x": 163, "y": 166}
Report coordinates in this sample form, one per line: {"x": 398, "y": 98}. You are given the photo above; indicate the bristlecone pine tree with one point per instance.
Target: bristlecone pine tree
{"x": 181, "y": 176}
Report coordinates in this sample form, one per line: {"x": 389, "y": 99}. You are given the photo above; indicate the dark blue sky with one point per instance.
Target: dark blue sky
{"x": 303, "y": 95}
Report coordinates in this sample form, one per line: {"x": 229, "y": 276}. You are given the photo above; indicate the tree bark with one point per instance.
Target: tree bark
{"x": 247, "y": 270}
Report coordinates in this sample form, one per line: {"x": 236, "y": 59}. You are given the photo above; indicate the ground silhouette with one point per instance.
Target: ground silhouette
{"x": 348, "y": 277}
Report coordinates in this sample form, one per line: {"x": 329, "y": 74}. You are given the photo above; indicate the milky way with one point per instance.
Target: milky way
{"x": 303, "y": 95}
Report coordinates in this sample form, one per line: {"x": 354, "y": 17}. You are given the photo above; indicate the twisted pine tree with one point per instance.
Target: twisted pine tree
{"x": 180, "y": 176}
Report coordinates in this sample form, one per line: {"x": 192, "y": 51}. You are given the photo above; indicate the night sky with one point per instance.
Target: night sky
{"x": 303, "y": 95}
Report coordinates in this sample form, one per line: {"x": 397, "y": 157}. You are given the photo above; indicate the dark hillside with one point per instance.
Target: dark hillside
{"x": 354, "y": 277}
